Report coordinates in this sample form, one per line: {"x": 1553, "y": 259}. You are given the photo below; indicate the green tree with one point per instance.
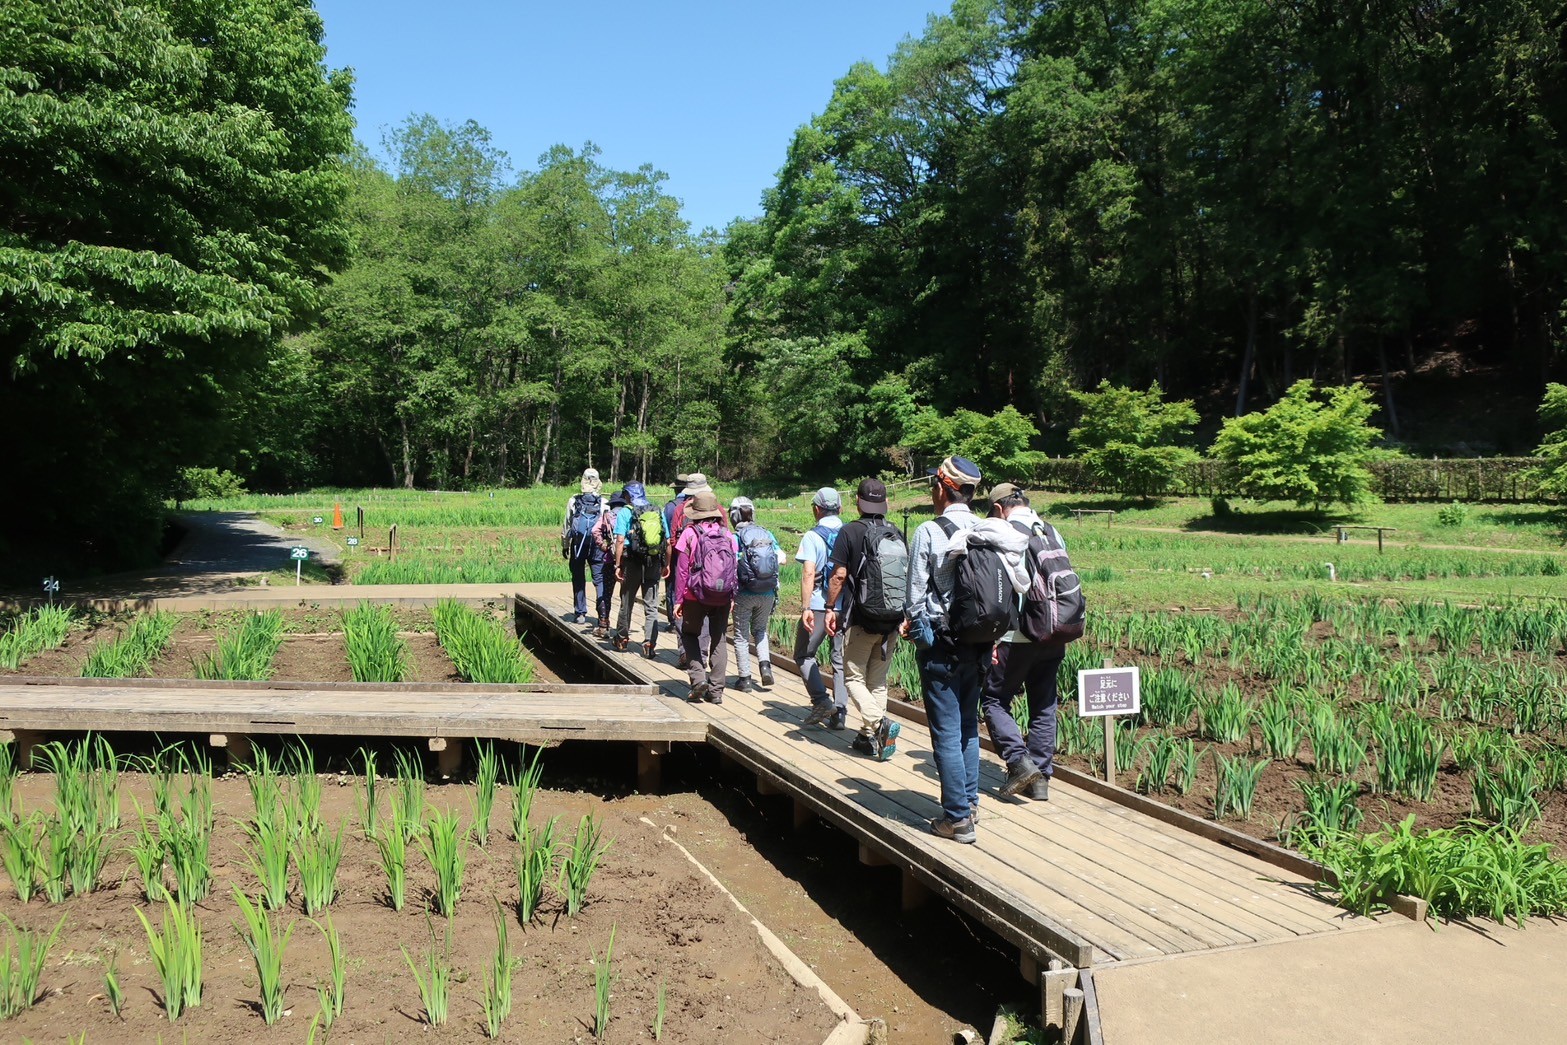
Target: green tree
{"x": 1551, "y": 473}
{"x": 1311, "y": 447}
{"x": 171, "y": 188}
{"x": 1127, "y": 438}
{"x": 998, "y": 443}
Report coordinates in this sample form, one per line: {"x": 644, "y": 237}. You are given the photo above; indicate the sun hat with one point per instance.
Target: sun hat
{"x": 703, "y": 506}
{"x": 956, "y": 473}
{"x": 618, "y": 499}
{"x": 697, "y": 484}
{"x": 590, "y": 481}
{"x": 827, "y": 498}
{"x": 872, "y": 497}
{"x": 738, "y": 507}
{"x": 635, "y": 494}
{"x": 681, "y": 479}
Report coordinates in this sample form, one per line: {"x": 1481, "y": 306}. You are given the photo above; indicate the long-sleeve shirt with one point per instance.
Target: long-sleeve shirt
{"x": 930, "y": 571}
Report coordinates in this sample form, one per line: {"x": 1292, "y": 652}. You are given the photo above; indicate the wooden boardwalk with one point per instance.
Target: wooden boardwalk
{"x": 1083, "y": 878}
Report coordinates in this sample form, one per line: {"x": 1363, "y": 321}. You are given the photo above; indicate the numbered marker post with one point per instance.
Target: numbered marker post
{"x": 1107, "y": 692}
{"x": 51, "y": 586}
{"x": 299, "y": 554}
{"x": 318, "y": 520}
{"x": 353, "y": 542}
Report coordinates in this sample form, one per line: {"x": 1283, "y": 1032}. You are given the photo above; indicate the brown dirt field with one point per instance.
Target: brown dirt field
{"x": 67, "y": 658}
{"x": 671, "y": 928}
{"x": 312, "y": 658}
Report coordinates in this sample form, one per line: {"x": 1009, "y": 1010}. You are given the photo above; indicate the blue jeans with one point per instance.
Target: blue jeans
{"x": 603, "y": 584}
{"x": 1036, "y": 668}
{"x": 951, "y": 676}
{"x": 580, "y": 567}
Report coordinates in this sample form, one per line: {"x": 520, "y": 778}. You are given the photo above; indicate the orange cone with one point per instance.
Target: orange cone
{"x": 337, "y": 516}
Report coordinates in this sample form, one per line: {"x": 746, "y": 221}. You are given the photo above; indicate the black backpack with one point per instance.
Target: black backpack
{"x": 881, "y": 586}
{"x": 983, "y": 606}
{"x": 1053, "y": 607}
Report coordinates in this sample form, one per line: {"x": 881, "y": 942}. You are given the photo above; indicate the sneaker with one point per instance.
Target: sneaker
{"x": 818, "y": 715}
{"x": 743, "y": 684}
{"x": 698, "y": 693}
{"x": 647, "y": 650}
{"x": 961, "y": 831}
{"x": 1020, "y": 775}
{"x": 620, "y": 643}
{"x": 864, "y": 745}
{"x": 581, "y": 618}
{"x": 715, "y": 696}
{"x": 767, "y": 673}
{"x": 1039, "y": 790}
{"x": 887, "y": 739}
{"x": 840, "y": 718}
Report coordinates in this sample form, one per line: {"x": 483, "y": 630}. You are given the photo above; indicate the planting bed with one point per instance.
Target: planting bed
{"x": 672, "y": 931}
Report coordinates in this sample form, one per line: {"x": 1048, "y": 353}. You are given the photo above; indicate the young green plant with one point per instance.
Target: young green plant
{"x": 435, "y": 981}
{"x": 176, "y": 955}
{"x": 266, "y": 946}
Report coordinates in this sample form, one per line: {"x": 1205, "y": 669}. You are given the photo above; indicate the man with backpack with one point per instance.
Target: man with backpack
{"x": 1028, "y": 658}
{"x": 949, "y": 628}
{"x": 705, "y": 583}
{"x": 640, "y": 550}
{"x": 758, "y": 595}
{"x": 814, "y": 554}
{"x": 870, "y": 579}
{"x": 603, "y": 538}
{"x": 576, "y": 538}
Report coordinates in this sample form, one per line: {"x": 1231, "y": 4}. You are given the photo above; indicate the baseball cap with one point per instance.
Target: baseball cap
{"x": 872, "y": 497}
{"x": 956, "y": 473}
{"x": 827, "y": 498}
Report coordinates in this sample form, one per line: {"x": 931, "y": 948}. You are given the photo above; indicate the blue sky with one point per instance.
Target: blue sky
{"x": 707, "y": 92}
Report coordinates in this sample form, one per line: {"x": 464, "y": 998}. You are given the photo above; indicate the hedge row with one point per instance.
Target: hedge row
{"x": 1480, "y": 479}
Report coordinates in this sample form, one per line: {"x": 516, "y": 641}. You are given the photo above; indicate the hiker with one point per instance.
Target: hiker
{"x": 952, "y": 666}
{"x": 576, "y": 543}
{"x": 869, "y": 580}
{"x": 1023, "y": 663}
{"x": 815, "y": 552}
{"x": 705, "y": 583}
{"x": 604, "y": 562}
{"x": 696, "y": 483}
{"x": 682, "y": 480}
{"x": 640, "y": 550}
{"x": 757, "y": 596}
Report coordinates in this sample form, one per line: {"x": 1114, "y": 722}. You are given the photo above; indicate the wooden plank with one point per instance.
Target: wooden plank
{"x": 639, "y": 688}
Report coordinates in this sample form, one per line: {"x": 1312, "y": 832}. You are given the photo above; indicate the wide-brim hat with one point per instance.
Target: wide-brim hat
{"x": 703, "y": 505}
{"x": 590, "y": 481}
{"x": 618, "y": 499}
{"x": 956, "y": 473}
{"x": 681, "y": 481}
{"x": 872, "y": 497}
{"x": 697, "y": 484}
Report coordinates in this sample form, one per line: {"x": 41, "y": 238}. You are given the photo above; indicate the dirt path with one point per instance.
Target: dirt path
{"x": 1406, "y": 983}
{"x": 1303, "y": 538}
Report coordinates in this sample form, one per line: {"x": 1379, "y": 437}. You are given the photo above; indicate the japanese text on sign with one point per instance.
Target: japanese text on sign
{"x": 1109, "y": 691}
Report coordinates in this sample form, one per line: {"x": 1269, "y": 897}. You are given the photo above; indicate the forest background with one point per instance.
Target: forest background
{"x": 199, "y": 268}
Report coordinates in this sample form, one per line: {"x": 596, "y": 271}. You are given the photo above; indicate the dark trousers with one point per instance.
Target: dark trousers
{"x": 1020, "y": 666}
{"x": 641, "y": 580}
{"x": 952, "y": 676}
{"x": 702, "y": 634}
{"x": 603, "y": 584}
{"x": 581, "y": 566}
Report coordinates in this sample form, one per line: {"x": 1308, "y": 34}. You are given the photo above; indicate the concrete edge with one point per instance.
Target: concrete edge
{"x": 851, "y": 1030}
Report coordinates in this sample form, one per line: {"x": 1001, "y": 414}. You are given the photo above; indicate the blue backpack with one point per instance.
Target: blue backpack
{"x": 829, "y": 538}
{"x": 585, "y": 514}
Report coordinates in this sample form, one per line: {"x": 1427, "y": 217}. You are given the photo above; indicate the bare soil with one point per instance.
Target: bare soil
{"x": 672, "y": 930}
{"x": 67, "y": 658}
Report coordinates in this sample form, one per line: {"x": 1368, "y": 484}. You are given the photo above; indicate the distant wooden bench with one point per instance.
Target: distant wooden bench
{"x": 1108, "y": 513}
{"x": 1343, "y": 532}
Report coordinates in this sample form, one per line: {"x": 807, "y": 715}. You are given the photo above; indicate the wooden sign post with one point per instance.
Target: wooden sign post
{"x": 1108, "y": 692}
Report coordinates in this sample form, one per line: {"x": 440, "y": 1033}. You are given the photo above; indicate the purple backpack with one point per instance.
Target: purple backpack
{"x": 715, "y": 572}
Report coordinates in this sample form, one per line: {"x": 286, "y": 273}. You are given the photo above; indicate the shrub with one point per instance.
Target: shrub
{"x": 1452, "y": 515}
{"x": 1126, "y": 438}
{"x": 1313, "y": 447}
{"x": 200, "y": 484}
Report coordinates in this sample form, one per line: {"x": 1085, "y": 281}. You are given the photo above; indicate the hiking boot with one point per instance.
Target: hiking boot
{"x": 698, "y": 693}
{"x": 818, "y": 715}
{"x": 647, "y": 650}
{"x": 621, "y": 642}
{"x": 1039, "y": 790}
{"x": 887, "y": 738}
{"x": 961, "y": 831}
{"x": 767, "y": 673}
{"x": 1020, "y": 775}
{"x": 840, "y": 718}
{"x": 682, "y": 660}
{"x": 743, "y": 684}
{"x": 715, "y": 696}
{"x": 864, "y": 745}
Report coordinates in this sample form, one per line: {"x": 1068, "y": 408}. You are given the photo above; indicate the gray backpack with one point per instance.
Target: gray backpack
{"x": 881, "y": 586}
